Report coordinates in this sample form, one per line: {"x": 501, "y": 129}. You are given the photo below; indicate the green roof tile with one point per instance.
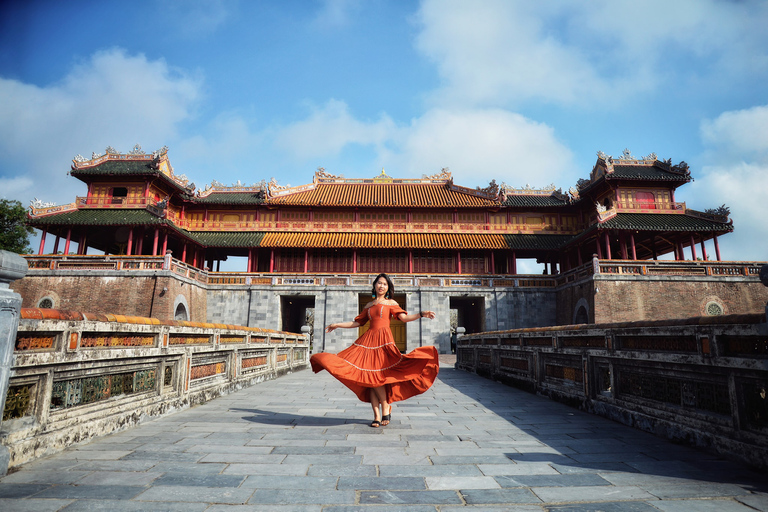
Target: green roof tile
{"x": 118, "y": 167}
{"x": 99, "y": 217}
{"x": 645, "y": 172}
{"x": 663, "y": 222}
{"x": 234, "y": 198}
{"x": 227, "y": 239}
{"x": 536, "y": 242}
{"x": 533, "y": 201}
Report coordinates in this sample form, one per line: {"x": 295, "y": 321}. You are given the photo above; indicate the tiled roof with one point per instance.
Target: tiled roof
{"x": 663, "y": 222}
{"x": 99, "y": 217}
{"x": 645, "y": 172}
{"x": 546, "y": 242}
{"x": 414, "y": 240}
{"x": 227, "y": 239}
{"x": 385, "y": 240}
{"x": 533, "y": 201}
{"x": 383, "y": 195}
{"x": 117, "y": 167}
{"x": 234, "y": 198}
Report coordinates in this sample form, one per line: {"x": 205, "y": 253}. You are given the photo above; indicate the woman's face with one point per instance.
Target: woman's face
{"x": 381, "y": 286}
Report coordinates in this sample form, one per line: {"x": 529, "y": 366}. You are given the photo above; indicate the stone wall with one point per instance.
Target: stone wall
{"x": 605, "y": 291}
{"x": 76, "y": 376}
{"x": 700, "y": 381}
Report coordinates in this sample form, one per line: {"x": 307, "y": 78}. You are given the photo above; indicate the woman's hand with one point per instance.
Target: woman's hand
{"x": 331, "y": 328}
{"x": 428, "y": 314}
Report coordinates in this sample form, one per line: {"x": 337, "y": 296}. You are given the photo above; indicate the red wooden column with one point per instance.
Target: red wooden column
{"x": 354, "y": 261}
{"x": 56, "y": 245}
{"x": 184, "y": 253}
{"x": 607, "y": 246}
{"x": 140, "y": 243}
{"x": 306, "y": 260}
{"x": 271, "y": 260}
{"x": 632, "y": 244}
{"x": 458, "y": 262}
{"x": 154, "y": 245}
{"x": 81, "y": 244}
{"x": 410, "y": 261}
{"x": 165, "y": 243}
{"x": 250, "y": 258}
{"x": 514, "y": 262}
{"x": 599, "y": 248}
{"x": 42, "y": 242}
{"x": 717, "y": 248}
{"x": 493, "y": 263}
{"x": 703, "y": 250}
{"x": 693, "y": 248}
{"x": 624, "y": 254}
{"x": 69, "y": 239}
{"x": 680, "y": 250}
{"x": 130, "y": 243}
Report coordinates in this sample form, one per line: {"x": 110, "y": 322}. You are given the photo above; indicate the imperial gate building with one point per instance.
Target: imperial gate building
{"x": 310, "y": 252}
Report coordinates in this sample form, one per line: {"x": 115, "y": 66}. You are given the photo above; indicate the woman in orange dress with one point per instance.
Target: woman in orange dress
{"x": 372, "y": 367}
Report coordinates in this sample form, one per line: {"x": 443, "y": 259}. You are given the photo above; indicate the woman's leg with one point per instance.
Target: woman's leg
{"x": 375, "y": 403}
{"x": 381, "y": 396}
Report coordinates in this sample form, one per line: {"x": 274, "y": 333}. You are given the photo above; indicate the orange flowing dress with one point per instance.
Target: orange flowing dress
{"x": 373, "y": 360}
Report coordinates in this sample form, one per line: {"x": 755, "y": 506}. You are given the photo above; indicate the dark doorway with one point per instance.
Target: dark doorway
{"x": 297, "y": 311}
{"x": 470, "y": 313}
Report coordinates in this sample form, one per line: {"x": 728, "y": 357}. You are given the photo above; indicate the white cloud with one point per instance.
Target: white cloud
{"x": 497, "y": 52}
{"x": 740, "y": 133}
{"x": 337, "y": 13}
{"x": 330, "y": 129}
{"x": 195, "y": 18}
{"x": 112, "y": 99}
{"x": 15, "y": 187}
{"x": 737, "y": 175}
{"x": 479, "y": 145}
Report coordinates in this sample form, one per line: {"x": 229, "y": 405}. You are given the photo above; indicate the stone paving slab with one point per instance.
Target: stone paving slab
{"x": 302, "y": 443}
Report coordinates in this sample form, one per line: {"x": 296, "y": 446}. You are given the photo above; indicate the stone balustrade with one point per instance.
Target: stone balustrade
{"x": 701, "y": 380}
{"x": 79, "y": 375}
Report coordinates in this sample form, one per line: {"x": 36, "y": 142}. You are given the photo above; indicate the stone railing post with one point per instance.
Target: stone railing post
{"x": 764, "y": 279}
{"x": 12, "y": 267}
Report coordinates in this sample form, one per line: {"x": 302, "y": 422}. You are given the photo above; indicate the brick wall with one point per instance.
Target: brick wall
{"x": 136, "y": 294}
{"x": 622, "y": 299}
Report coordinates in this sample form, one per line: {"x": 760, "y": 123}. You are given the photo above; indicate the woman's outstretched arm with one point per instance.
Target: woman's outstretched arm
{"x": 344, "y": 325}
{"x": 415, "y": 316}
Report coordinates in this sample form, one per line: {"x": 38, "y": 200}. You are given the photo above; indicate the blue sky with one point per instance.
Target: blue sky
{"x": 520, "y": 92}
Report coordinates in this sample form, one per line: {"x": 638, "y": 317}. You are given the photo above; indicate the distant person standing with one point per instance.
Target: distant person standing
{"x": 372, "y": 367}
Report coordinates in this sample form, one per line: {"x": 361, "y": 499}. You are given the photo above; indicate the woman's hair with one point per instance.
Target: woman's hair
{"x": 390, "y": 287}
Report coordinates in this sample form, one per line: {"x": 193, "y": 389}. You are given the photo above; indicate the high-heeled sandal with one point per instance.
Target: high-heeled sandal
{"x": 375, "y": 423}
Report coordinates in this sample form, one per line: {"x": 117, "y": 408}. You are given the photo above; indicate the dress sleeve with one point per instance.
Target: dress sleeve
{"x": 396, "y": 310}
{"x": 362, "y": 318}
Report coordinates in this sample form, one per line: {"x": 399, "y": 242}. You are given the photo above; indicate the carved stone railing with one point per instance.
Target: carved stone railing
{"x": 686, "y": 268}
{"x": 700, "y": 380}
{"x": 76, "y": 376}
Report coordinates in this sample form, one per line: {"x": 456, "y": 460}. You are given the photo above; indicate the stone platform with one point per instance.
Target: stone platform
{"x": 302, "y": 443}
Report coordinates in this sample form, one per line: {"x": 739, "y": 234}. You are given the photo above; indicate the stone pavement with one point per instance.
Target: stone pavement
{"x": 302, "y": 443}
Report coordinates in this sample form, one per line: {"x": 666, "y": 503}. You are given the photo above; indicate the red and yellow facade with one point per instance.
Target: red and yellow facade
{"x": 136, "y": 205}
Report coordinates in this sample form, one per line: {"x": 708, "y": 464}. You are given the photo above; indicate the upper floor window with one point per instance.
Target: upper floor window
{"x": 646, "y": 200}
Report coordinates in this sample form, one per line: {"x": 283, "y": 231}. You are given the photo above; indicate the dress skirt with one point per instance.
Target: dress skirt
{"x": 374, "y": 360}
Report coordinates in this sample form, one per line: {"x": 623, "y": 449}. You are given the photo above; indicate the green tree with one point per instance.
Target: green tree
{"x": 14, "y": 232}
